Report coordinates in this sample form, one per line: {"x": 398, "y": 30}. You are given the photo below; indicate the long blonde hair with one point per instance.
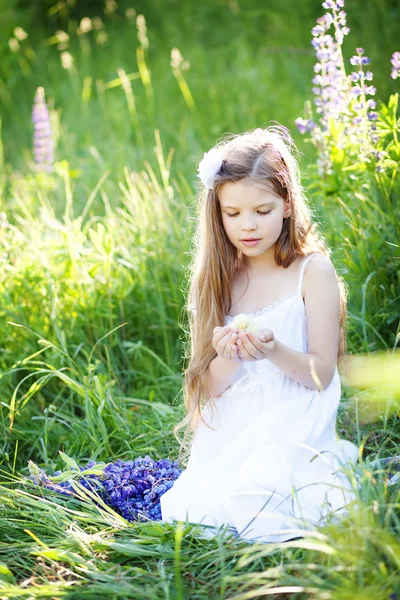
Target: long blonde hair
{"x": 263, "y": 155}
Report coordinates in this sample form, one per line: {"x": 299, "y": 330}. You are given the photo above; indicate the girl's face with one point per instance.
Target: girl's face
{"x": 252, "y": 212}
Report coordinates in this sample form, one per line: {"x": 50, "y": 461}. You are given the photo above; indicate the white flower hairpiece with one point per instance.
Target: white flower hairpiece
{"x": 209, "y": 166}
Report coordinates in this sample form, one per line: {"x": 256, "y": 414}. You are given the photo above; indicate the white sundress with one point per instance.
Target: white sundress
{"x": 253, "y": 472}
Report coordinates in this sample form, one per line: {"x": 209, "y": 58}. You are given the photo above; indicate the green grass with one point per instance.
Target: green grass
{"x": 93, "y": 278}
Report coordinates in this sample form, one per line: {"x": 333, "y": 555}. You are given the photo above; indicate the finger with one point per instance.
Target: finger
{"x": 256, "y": 342}
{"x": 229, "y": 352}
{"x": 234, "y": 351}
{"x": 220, "y": 335}
{"x": 226, "y": 343}
{"x": 231, "y": 342}
{"x": 244, "y": 349}
{"x": 267, "y": 334}
{"x": 229, "y": 338}
{"x": 259, "y": 344}
{"x": 223, "y": 331}
{"x": 253, "y": 346}
{"x": 218, "y": 328}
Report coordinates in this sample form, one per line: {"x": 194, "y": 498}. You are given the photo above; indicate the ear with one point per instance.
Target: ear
{"x": 287, "y": 209}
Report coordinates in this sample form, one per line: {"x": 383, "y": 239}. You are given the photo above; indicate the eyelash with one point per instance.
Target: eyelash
{"x": 259, "y": 211}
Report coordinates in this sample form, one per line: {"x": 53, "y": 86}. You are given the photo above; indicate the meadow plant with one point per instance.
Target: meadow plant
{"x": 132, "y": 488}
{"x": 74, "y": 279}
{"x": 42, "y": 138}
{"x": 356, "y": 170}
{"x": 346, "y": 116}
{"x": 395, "y": 60}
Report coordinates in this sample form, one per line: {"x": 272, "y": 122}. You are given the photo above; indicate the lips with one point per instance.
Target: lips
{"x": 250, "y": 239}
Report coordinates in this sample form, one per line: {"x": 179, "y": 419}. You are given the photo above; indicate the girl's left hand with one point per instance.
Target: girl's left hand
{"x": 251, "y": 348}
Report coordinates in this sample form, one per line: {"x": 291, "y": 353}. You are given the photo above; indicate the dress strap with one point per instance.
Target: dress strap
{"x": 303, "y": 264}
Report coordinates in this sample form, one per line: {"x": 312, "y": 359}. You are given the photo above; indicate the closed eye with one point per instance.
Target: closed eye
{"x": 259, "y": 212}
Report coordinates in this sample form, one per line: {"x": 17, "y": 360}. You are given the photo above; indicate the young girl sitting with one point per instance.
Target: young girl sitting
{"x": 265, "y": 459}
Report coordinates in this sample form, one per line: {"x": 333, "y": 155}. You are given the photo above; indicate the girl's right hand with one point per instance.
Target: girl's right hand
{"x": 224, "y": 342}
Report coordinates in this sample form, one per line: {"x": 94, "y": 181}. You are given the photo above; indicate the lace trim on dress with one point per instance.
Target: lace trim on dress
{"x": 269, "y": 306}
{"x": 284, "y": 298}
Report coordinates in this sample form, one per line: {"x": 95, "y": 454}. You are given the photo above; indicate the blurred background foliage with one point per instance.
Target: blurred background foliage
{"x": 136, "y": 94}
{"x": 249, "y": 62}
{"x": 94, "y": 258}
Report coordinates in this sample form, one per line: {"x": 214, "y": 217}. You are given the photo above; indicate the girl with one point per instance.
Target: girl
{"x": 265, "y": 459}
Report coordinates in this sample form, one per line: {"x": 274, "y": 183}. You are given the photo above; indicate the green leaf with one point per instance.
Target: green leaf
{"x": 5, "y": 574}
{"x": 70, "y": 462}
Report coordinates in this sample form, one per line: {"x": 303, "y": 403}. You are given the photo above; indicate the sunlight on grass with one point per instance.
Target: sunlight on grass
{"x": 95, "y": 239}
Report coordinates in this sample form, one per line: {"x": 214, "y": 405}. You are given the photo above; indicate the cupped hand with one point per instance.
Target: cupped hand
{"x": 251, "y": 347}
{"x": 224, "y": 342}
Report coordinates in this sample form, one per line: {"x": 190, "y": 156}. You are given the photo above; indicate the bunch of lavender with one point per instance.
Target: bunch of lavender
{"x": 43, "y": 146}
{"x": 347, "y": 119}
{"x": 132, "y": 488}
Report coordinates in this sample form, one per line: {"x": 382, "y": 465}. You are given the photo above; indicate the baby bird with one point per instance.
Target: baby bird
{"x": 246, "y": 323}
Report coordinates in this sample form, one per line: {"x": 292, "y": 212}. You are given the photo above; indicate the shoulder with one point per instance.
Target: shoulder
{"x": 320, "y": 282}
{"x": 319, "y": 269}
{"x": 320, "y": 261}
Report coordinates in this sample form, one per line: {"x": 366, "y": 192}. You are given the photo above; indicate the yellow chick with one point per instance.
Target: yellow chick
{"x": 244, "y": 322}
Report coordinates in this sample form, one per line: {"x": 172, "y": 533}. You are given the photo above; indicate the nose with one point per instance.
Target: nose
{"x": 248, "y": 229}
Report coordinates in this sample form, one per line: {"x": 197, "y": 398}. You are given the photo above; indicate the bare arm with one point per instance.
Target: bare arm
{"x": 322, "y": 305}
{"x": 299, "y": 365}
{"x": 221, "y": 373}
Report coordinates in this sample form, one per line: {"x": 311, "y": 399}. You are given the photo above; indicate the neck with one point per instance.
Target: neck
{"x": 259, "y": 265}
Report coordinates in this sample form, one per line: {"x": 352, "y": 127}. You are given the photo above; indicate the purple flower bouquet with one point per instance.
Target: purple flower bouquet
{"x": 132, "y": 488}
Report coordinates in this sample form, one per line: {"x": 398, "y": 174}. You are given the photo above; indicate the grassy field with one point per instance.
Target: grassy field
{"x": 94, "y": 256}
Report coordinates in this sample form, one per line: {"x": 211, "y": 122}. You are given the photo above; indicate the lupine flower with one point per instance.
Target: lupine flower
{"x": 331, "y": 86}
{"x": 340, "y": 100}
{"x": 395, "y": 60}
{"x": 304, "y": 125}
{"x": 132, "y": 488}
{"x": 364, "y": 130}
{"x": 42, "y": 137}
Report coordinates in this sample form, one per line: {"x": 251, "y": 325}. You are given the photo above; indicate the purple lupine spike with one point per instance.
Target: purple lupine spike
{"x": 331, "y": 90}
{"x": 338, "y": 97}
{"x": 132, "y": 488}
{"x": 43, "y": 146}
{"x": 364, "y": 119}
{"x": 304, "y": 126}
{"x": 395, "y": 60}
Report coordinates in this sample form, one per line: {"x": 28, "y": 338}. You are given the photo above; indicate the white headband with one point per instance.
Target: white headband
{"x": 212, "y": 160}
{"x": 209, "y": 167}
